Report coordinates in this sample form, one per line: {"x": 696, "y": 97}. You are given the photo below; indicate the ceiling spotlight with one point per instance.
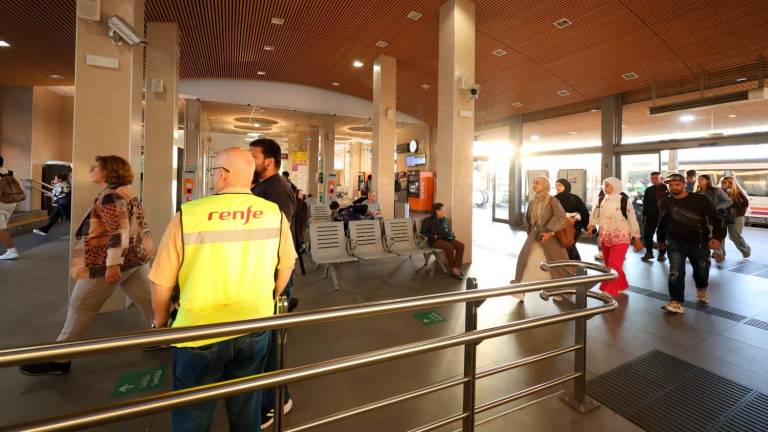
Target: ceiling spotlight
{"x": 623, "y": 125}
{"x": 260, "y": 73}
{"x": 499, "y": 52}
{"x": 426, "y": 87}
{"x": 334, "y": 83}
{"x": 357, "y": 64}
{"x": 563, "y": 23}
{"x": 269, "y": 48}
{"x": 254, "y": 134}
{"x": 535, "y": 137}
{"x": 593, "y": 110}
{"x": 687, "y": 118}
{"x": 414, "y": 15}
{"x": 563, "y": 92}
{"x": 381, "y": 44}
{"x": 731, "y": 115}
{"x": 573, "y": 133}
{"x": 737, "y": 80}
{"x": 277, "y": 21}
{"x": 54, "y": 76}
{"x": 516, "y": 104}
{"x": 630, "y": 76}
{"x": 4, "y": 44}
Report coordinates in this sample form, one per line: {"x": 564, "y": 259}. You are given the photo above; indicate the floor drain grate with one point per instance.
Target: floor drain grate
{"x": 693, "y": 305}
{"x": 762, "y": 325}
{"x": 660, "y": 392}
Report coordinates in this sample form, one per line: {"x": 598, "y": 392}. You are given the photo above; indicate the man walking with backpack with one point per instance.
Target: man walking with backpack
{"x": 689, "y": 225}
{"x": 651, "y": 199}
{"x": 10, "y": 194}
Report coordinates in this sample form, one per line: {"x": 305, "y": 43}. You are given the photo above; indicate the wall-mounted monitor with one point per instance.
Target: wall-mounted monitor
{"x": 416, "y": 159}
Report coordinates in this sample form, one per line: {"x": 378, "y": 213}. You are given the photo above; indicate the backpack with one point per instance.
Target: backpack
{"x": 10, "y": 190}
{"x": 624, "y": 201}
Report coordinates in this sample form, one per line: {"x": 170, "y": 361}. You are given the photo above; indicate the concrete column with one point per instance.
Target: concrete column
{"x": 455, "y": 122}
{"x": 354, "y": 167}
{"x": 107, "y": 113}
{"x": 672, "y": 163}
{"x": 161, "y": 114}
{"x": 516, "y": 193}
{"x": 384, "y": 132}
{"x": 610, "y": 133}
{"x": 16, "y": 126}
{"x": 313, "y": 155}
{"x": 193, "y": 163}
{"x": 328, "y": 145}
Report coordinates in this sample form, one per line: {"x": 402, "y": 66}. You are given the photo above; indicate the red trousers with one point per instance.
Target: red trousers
{"x": 614, "y": 258}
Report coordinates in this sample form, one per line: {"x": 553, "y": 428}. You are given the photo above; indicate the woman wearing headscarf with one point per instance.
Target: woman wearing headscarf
{"x": 576, "y": 212}
{"x": 544, "y": 217}
{"x": 618, "y": 227}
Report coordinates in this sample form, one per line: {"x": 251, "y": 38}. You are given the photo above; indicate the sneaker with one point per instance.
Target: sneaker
{"x": 702, "y": 296}
{"x": 647, "y": 257}
{"x": 747, "y": 254}
{"x": 269, "y": 418}
{"x": 46, "y": 368}
{"x": 9, "y": 255}
{"x": 39, "y": 232}
{"x": 661, "y": 258}
{"x": 674, "y": 307}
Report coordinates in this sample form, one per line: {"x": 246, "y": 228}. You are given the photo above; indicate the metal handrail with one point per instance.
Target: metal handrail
{"x": 171, "y": 400}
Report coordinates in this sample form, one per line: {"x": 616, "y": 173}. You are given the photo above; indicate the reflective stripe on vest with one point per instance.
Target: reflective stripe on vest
{"x": 231, "y": 245}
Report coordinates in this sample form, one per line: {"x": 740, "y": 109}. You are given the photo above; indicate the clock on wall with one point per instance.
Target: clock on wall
{"x": 413, "y": 146}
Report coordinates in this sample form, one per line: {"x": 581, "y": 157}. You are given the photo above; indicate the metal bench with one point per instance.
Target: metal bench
{"x": 400, "y": 239}
{"x": 440, "y": 258}
{"x": 329, "y": 247}
{"x": 366, "y": 240}
{"x": 319, "y": 213}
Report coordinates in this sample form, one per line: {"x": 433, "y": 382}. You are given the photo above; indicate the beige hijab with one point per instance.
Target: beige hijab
{"x": 540, "y": 201}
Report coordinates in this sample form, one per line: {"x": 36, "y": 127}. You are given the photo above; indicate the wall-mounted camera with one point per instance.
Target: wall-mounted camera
{"x": 120, "y": 31}
{"x": 472, "y": 89}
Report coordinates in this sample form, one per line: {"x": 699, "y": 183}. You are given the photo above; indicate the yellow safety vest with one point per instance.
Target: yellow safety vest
{"x": 231, "y": 244}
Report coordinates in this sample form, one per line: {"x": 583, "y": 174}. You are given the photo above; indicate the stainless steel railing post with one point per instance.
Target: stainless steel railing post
{"x": 470, "y": 361}
{"x": 282, "y": 307}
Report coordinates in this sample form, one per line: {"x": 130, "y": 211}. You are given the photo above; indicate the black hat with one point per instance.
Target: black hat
{"x": 674, "y": 177}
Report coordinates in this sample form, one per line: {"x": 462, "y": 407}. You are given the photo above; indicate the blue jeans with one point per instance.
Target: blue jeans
{"x": 229, "y": 359}
{"x": 699, "y": 258}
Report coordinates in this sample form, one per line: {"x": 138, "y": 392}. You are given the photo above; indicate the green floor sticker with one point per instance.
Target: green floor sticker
{"x": 138, "y": 382}
{"x": 429, "y": 317}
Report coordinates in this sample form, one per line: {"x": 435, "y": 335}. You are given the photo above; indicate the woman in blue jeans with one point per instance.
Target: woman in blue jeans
{"x": 739, "y": 211}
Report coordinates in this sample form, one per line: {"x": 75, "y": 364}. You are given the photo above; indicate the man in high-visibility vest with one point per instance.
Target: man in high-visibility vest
{"x": 231, "y": 255}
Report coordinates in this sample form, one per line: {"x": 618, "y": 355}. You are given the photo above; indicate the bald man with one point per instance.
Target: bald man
{"x": 231, "y": 255}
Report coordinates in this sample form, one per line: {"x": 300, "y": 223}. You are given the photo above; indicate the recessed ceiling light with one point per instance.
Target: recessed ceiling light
{"x": 260, "y": 73}
{"x": 414, "y": 15}
{"x": 687, "y": 118}
{"x": 737, "y": 80}
{"x": 499, "y": 52}
{"x": 563, "y": 92}
{"x": 535, "y": 137}
{"x": 357, "y": 64}
{"x": 593, "y": 110}
{"x": 54, "y": 76}
{"x": 630, "y": 76}
{"x": 4, "y": 44}
{"x": 573, "y": 133}
{"x": 269, "y": 48}
{"x": 623, "y": 125}
{"x": 516, "y": 104}
{"x": 334, "y": 83}
{"x": 732, "y": 116}
{"x": 381, "y": 44}
{"x": 563, "y": 23}
{"x": 426, "y": 87}
{"x": 254, "y": 134}
{"x": 277, "y": 21}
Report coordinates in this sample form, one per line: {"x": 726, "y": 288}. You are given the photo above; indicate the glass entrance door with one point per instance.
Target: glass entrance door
{"x": 636, "y": 172}
{"x": 501, "y": 190}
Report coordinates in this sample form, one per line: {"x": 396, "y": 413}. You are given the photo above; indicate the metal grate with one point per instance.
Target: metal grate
{"x": 660, "y": 392}
{"x": 692, "y": 305}
{"x": 762, "y": 325}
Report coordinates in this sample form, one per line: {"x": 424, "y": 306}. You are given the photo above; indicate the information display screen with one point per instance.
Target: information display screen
{"x": 416, "y": 159}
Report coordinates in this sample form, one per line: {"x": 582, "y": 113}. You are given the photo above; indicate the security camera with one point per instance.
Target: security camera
{"x": 474, "y": 91}
{"x": 120, "y": 31}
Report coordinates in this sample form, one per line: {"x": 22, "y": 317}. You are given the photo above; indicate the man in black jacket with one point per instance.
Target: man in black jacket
{"x": 689, "y": 225}
{"x": 651, "y": 199}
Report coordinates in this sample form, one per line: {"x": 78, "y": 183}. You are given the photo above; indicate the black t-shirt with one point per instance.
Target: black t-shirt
{"x": 278, "y": 191}
{"x": 652, "y": 198}
{"x": 692, "y": 220}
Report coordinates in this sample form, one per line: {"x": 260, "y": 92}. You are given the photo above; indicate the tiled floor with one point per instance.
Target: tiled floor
{"x": 35, "y": 289}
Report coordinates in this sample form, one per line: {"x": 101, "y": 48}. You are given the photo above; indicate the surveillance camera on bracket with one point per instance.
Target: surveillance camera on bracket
{"x": 120, "y": 31}
{"x": 473, "y": 89}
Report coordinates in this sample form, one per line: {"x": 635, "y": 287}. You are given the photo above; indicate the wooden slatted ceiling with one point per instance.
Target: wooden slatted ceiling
{"x": 658, "y": 39}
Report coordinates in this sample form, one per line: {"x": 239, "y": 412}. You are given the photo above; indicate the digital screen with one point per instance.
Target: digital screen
{"x": 416, "y": 159}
